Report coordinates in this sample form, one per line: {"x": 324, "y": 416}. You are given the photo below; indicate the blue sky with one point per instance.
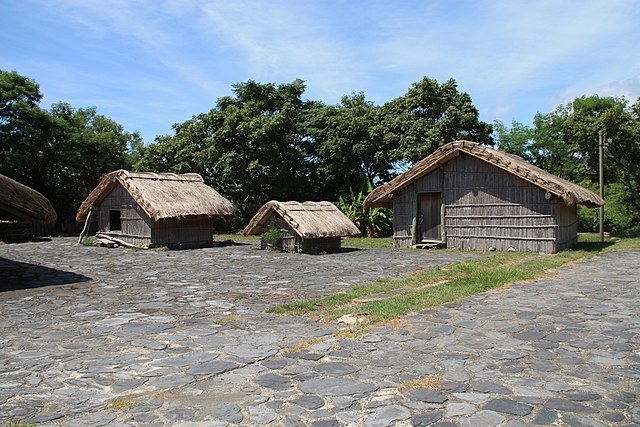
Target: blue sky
{"x": 148, "y": 64}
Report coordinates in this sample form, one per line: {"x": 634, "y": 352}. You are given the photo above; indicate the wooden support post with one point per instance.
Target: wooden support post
{"x": 414, "y": 223}
{"x": 443, "y": 228}
{"x": 601, "y": 180}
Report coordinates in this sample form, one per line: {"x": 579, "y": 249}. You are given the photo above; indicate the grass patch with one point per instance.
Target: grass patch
{"x": 121, "y": 404}
{"x": 588, "y": 240}
{"x": 430, "y": 381}
{"x": 353, "y": 332}
{"x": 231, "y": 320}
{"x": 88, "y": 241}
{"x": 12, "y": 423}
{"x": 235, "y": 237}
{"x": 305, "y": 345}
{"x": 430, "y": 288}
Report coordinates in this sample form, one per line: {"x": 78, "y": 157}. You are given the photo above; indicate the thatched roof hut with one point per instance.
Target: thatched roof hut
{"x": 19, "y": 202}
{"x": 311, "y": 226}
{"x": 469, "y": 196}
{"x": 162, "y": 195}
{"x": 155, "y": 208}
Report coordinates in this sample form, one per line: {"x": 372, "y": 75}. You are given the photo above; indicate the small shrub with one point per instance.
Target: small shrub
{"x": 88, "y": 241}
{"x": 274, "y": 237}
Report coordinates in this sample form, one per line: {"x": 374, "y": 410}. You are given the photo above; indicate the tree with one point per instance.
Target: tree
{"x": 620, "y": 123}
{"x": 346, "y": 145}
{"x": 23, "y": 129}
{"x": 518, "y": 139}
{"x": 428, "y": 116}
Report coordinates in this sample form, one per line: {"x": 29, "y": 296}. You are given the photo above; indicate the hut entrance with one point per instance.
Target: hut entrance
{"x": 115, "y": 222}
{"x": 429, "y": 217}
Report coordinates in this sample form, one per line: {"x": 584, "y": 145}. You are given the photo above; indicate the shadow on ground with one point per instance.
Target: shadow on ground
{"x": 16, "y": 275}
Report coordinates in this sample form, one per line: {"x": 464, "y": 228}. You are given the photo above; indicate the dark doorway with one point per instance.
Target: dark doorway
{"x": 114, "y": 220}
{"x": 430, "y": 216}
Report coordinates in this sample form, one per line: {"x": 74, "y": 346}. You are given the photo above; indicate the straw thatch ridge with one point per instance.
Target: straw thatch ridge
{"x": 162, "y": 195}
{"x": 18, "y": 200}
{"x": 310, "y": 220}
{"x": 569, "y": 192}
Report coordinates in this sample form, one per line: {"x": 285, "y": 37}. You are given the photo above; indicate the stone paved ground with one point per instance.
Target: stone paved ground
{"x": 181, "y": 338}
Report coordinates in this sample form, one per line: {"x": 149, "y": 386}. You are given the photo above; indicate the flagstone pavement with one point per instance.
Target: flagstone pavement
{"x": 96, "y": 336}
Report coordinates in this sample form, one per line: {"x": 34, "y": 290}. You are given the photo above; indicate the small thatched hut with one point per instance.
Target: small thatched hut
{"x": 155, "y": 209}
{"x": 21, "y": 203}
{"x": 469, "y": 196}
{"x": 311, "y": 227}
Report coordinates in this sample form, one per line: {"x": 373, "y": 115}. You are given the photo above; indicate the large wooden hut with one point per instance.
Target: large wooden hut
{"x": 310, "y": 227}
{"x": 155, "y": 209}
{"x": 469, "y": 196}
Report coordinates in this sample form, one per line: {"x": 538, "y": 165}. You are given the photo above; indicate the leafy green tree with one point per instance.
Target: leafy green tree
{"x": 620, "y": 124}
{"x": 87, "y": 147}
{"x": 428, "y": 116}
{"x": 24, "y": 129}
{"x": 518, "y": 139}
{"x": 346, "y": 145}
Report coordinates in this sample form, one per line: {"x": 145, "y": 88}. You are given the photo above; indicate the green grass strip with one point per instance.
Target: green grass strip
{"x": 461, "y": 280}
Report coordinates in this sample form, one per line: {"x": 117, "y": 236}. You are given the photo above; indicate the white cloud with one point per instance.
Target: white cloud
{"x": 629, "y": 88}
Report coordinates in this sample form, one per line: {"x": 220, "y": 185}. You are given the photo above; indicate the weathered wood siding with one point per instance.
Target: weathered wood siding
{"x": 405, "y": 208}
{"x": 403, "y": 214}
{"x": 567, "y": 226}
{"x": 183, "y": 231}
{"x": 135, "y": 224}
{"x": 487, "y": 208}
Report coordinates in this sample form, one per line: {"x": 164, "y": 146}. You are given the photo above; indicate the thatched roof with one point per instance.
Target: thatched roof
{"x": 569, "y": 192}
{"x": 19, "y": 201}
{"x": 161, "y": 195}
{"x": 309, "y": 219}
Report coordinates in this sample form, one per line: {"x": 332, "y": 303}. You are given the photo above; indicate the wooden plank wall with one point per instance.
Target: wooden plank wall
{"x": 402, "y": 217}
{"x": 188, "y": 231}
{"x": 487, "y": 208}
{"x": 135, "y": 224}
{"x": 405, "y": 204}
{"x": 567, "y": 225}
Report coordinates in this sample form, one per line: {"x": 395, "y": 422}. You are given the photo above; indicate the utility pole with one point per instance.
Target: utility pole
{"x": 601, "y": 153}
